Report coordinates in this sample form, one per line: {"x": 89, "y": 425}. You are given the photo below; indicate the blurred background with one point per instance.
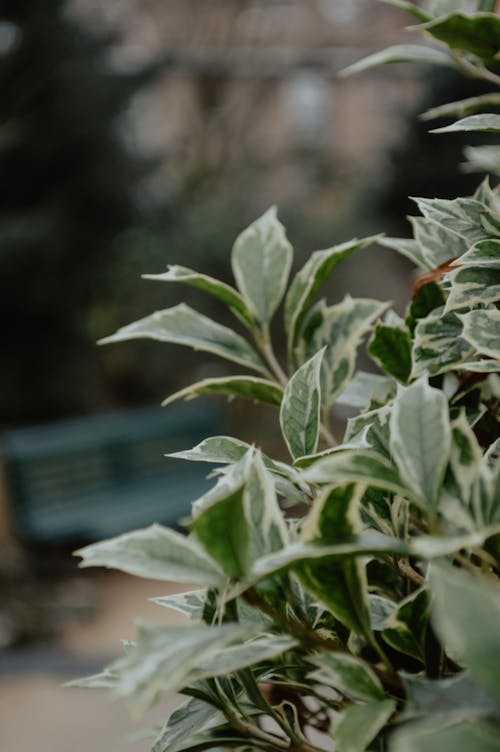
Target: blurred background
{"x": 136, "y": 134}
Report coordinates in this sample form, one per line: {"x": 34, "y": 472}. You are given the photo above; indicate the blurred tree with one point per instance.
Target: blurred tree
{"x": 66, "y": 192}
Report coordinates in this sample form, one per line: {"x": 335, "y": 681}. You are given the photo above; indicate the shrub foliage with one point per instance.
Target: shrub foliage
{"x": 348, "y": 599}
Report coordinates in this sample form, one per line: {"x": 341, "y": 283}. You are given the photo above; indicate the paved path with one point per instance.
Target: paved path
{"x": 38, "y": 714}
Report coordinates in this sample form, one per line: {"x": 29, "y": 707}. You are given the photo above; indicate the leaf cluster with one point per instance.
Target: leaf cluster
{"x": 347, "y": 599}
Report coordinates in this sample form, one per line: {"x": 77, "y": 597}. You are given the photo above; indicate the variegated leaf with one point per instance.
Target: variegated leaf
{"x": 248, "y": 387}
{"x": 481, "y": 328}
{"x": 341, "y": 328}
{"x": 420, "y": 440}
{"x": 166, "y": 659}
{"x": 406, "y": 628}
{"x": 373, "y": 426}
{"x": 340, "y": 584}
{"x": 486, "y": 253}
{"x": 358, "y": 724}
{"x": 265, "y": 522}
{"x": 357, "y": 466}
{"x": 155, "y": 552}
{"x": 409, "y": 248}
{"x": 183, "y": 326}
{"x": 400, "y": 53}
{"x": 415, "y": 10}
{"x": 438, "y": 243}
{"x": 261, "y": 260}
{"x": 472, "y": 286}
{"x": 309, "y": 279}
{"x": 438, "y": 345}
{"x": 193, "y": 717}
{"x": 348, "y": 675}
{"x": 215, "y": 287}
{"x": 485, "y": 122}
{"x": 226, "y": 450}
{"x": 364, "y": 387}
{"x": 465, "y": 457}
{"x": 190, "y": 603}
{"x": 470, "y": 218}
{"x": 466, "y": 614}
{"x": 463, "y": 107}
{"x": 300, "y": 408}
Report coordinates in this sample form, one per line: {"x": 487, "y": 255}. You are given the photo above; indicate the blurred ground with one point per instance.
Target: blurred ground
{"x": 37, "y": 713}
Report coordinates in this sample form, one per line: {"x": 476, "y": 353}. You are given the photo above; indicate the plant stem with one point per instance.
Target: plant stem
{"x": 408, "y": 571}
{"x": 253, "y": 731}
{"x": 308, "y": 635}
{"x": 475, "y": 71}
{"x": 263, "y": 340}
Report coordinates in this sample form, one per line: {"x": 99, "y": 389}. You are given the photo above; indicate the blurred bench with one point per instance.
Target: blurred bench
{"x": 88, "y": 478}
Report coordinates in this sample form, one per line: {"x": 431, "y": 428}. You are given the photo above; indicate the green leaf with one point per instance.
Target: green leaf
{"x": 239, "y": 520}
{"x": 219, "y": 521}
{"x": 359, "y": 724}
{"x": 487, "y": 122}
{"x": 485, "y": 253}
{"x": 428, "y": 297}
{"x": 166, "y": 659}
{"x": 183, "y": 326}
{"x": 340, "y": 584}
{"x": 261, "y": 260}
{"x": 191, "y": 603}
{"x": 215, "y": 287}
{"x": 390, "y": 348}
{"x": 439, "y": 345}
{"x": 478, "y": 33}
{"x": 341, "y": 328}
{"x": 357, "y": 466}
{"x": 400, "y": 53}
{"x": 300, "y": 408}
{"x": 309, "y": 279}
{"x": 472, "y": 286}
{"x": 193, "y": 717}
{"x": 466, "y": 614}
{"x": 346, "y": 674}
{"x": 155, "y": 552}
{"x": 463, "y": 107}
{"x": 406, "y": 628}
{"x": 481, "y": 328}
{"x": 421, "y": 440}
{"x": 248, "y": 387}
